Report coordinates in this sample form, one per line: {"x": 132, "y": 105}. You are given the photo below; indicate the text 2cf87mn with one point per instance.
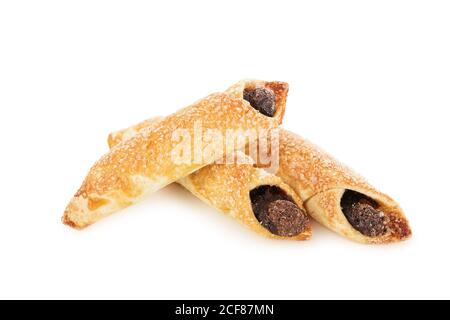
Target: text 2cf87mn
{"x": 246, "y": 309}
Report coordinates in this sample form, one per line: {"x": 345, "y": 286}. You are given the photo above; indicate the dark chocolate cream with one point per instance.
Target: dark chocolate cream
{"x": 262, "y": 99}
{"x": 277, "y": 212}
{"x": 361, "y": 211}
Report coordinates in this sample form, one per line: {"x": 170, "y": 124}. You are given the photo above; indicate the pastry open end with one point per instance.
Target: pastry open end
{"x": 144, "y": 163}
{"x": 268, "y": 97}
{"x": 375, "y": 219}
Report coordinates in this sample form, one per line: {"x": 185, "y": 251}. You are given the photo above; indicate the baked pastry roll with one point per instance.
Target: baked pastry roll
{"x": 257, "y": 199}
{"x": 145, "y": 163}
{"x": 337, "y": 197}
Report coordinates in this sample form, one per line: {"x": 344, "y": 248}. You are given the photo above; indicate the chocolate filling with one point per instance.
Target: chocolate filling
{"x": 261, "y": 99}
{"x": 361, "y": 211}
{"x": 277, "y": 212}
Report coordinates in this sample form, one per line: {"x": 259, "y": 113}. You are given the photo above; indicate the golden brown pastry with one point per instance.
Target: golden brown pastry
{"x": 146, "y": 162}
{"x": 337, "y": 197}
{"x": 257, "y": 199}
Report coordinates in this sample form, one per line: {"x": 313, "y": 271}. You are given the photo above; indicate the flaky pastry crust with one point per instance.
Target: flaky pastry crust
{"x": 144, "y": 163}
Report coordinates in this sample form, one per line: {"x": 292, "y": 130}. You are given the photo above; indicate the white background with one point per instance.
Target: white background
{"x": 370, "y": 83}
